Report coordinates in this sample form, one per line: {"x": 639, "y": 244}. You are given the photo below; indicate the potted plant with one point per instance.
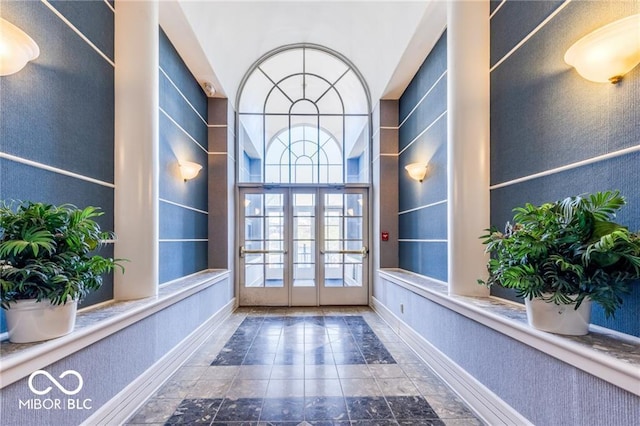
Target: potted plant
{"x": 562, "y": 256}
{"x": 47, "y": 266}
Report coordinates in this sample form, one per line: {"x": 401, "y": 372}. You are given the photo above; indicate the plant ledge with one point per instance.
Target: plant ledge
{"x": 609, "y": 355}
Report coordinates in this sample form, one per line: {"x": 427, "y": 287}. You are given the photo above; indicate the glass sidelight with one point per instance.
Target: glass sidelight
{"x": 303, "y": 247}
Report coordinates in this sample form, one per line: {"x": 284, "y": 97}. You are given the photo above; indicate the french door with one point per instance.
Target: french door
{"x": 303, "y": 246}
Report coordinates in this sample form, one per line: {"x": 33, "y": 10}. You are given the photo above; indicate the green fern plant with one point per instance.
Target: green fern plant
{"x": 566, "y": 251}
{"x": 46, "y": 252}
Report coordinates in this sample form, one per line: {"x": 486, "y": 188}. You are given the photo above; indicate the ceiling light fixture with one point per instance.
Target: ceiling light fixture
{"x": 16, "y": 48}
{"x": 608, "y": 53}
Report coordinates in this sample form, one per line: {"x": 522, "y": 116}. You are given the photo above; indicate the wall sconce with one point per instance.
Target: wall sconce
{"x": 189, "y": 170}
{"x": 417, "y": 171}
{"x": 16, "y": 48}
{"x": 608, "y": 53}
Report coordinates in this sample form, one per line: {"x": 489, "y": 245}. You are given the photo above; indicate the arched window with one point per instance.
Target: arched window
{"x": 303, "y": 117}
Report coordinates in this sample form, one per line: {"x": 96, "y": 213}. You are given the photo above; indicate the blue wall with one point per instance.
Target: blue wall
{"x": 545, "y": 116}
{"x": 183, "y": 137}
{"x": 423, "y": 137}
{"x": 59, "y": 111}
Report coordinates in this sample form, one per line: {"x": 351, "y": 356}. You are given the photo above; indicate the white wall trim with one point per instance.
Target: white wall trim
{"x": 54, "y": 169}
{"x": 182, "y": 240}
{"x": 423, "y": 98}
{"x": 571, "y": 166}
{"x": 423, "y": 132}
{"x": 606, "y": 367}
{"x": 182, "y": 129}
{"x": 125, "y": 404}
{"x": 163, "y": 200}
{"x": 77, "y": 31}
{"x": 497, "y": 8}
{"x": 109, "y": 6}
{"x": 21, "y": 364}
{"x": 416, "y": 240}
{"x": 487, "y": 405}
{"x": 531, "y": 34}
{"x": 426, "y": 206}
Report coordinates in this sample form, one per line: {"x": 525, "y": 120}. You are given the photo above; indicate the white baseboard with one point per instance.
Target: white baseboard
{"x": 486, "y": 404}
{"x": 125, "y": 404}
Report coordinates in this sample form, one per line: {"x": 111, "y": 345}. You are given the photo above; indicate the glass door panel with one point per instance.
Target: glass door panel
{"x": 344, "y": 248}
{"x": 304, "y": 291}
{"x": 263, "y": 248}
{"x": 303, "y": 247}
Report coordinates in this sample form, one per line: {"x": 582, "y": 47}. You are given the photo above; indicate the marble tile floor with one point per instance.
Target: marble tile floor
{"x": 315, "y": 366}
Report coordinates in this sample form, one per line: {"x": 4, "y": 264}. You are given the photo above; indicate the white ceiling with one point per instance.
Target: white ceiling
{"x": 385, "y": 40}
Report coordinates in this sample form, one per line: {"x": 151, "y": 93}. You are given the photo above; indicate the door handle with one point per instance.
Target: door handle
{"x": 244, "y": 251}
{"x": 363, "y": 251}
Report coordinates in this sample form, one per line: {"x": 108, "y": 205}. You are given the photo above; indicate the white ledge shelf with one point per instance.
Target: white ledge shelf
{"x": 18, "y": 360}
{"x": 611, "y": 356}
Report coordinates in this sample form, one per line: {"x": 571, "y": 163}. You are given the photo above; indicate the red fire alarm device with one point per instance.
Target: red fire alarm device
{"x": 385, "y": 236}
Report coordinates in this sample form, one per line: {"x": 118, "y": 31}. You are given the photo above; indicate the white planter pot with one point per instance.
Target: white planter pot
{"x": 31, "y": 321}
{"x": 559, "y": 319}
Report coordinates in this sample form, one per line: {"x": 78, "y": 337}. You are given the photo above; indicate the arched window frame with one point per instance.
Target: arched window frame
{"x": 318, "y": 115}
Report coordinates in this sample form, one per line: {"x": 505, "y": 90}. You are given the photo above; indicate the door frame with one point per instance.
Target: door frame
{"x": 321, "y": 300}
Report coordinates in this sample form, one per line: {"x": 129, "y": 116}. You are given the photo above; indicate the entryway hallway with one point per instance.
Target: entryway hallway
{"x": 291, "y": 366}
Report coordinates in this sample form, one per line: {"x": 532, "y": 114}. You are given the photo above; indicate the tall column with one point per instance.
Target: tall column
{"x": 136, "y": 148}
{"x": 468, "y": 143}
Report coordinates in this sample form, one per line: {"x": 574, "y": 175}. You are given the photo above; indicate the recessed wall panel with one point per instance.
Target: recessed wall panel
{"x": 425, "y": 258}
{"x": 181, "y": 258}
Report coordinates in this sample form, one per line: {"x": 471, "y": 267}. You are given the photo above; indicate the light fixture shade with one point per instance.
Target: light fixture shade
{"x": 189, "y": 169}
{"x": 609, "y": 52}
{"x": 417, "y": 171}
{"x": 16, "y": 48}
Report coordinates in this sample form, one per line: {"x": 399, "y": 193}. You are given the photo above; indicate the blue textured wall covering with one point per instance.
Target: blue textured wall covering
{"x": 176, "y": 146}
{"x": 181, "y": 258}
{"x": 432, "y": 148}
{"x": 59, "y": 109}
{"x": 176, "y": 69}
{"x": 178, "y": 222}
{"x": 179, "y": 110}
{"x": 94, "y": 19}
{"x": 544, "y": 116}
{"x": 22, "y": 182}
{"x": 425, "y": 223}
{"x": 429, "y": 72}
{"x": 427, "y": 120}
{"x": 514, "y": 21}
{"x": 424, "y": 258}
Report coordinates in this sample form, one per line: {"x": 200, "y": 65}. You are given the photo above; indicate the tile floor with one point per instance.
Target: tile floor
{"x": 274, "y": 366}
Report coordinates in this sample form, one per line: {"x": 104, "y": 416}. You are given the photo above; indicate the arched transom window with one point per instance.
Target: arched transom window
{"x": 303, "y": 117}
